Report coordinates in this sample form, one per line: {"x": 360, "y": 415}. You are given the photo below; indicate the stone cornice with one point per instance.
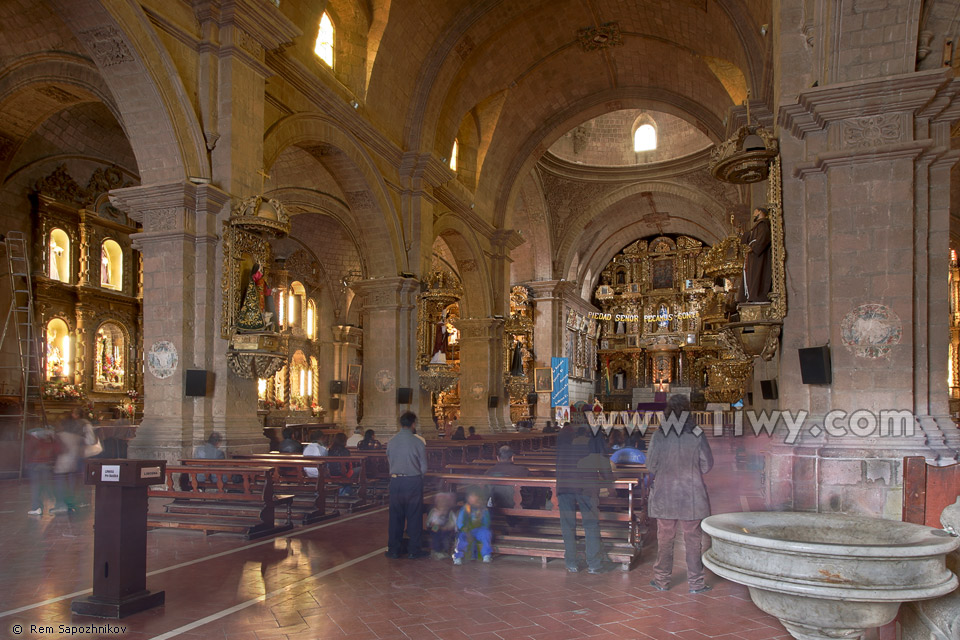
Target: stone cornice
{"x": 552, "y": 289}
{"x": 418, "y": 168}
{"x": 830, "y": 159}
{"x": 923, "y": 92}
{"x": 553, "y": 165}
{"x": 136, "y": 201}
{"x": 479, "y": 328}
{"x": 386, "y": 293}
{"x": 260, "y": 19}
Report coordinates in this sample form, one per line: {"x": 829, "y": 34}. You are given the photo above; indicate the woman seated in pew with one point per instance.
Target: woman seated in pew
{"x": 316, "y": 449}
{"x": 337, "y": 470}
{"x": 369, "y": 441}
{"x": 615, "y": 440}
{"x": 458, "y": 434}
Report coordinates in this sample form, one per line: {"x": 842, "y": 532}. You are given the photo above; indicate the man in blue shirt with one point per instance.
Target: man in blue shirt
{"x": 407, "y": 456}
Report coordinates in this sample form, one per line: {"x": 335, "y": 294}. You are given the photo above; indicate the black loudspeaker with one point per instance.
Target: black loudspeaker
{"x": 336, "y": 387}
{"x": 493, "y": 402}
{"x": 196, "y": 382}
{"x": 404, "y": 395}
{"x": 815, "y": 365}
{"x": 768, "y": 388}
{"x": 334, "y": 404}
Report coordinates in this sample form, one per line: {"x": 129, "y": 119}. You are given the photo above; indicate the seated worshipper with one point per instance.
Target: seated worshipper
{"x": 473, "y": 434}
{"x": 615, "y": 440}
{"x": 473, "y": 525}
{"x": 316, "y": 449}
{"x": 502, "y": 495}
{"x": 337, "y": 470}
{"x": 632, "y": 452}
{"x": 209, "y": 450}
{"x": 549, "y": 428}
{"x": 458, "y": 434}
{"x": 442, "y": 522}
{"x": 524, "y": 426}
{"x": 288, "y": 444}
{"x": 369, "y": 441}
{"x": 355, "y": 439}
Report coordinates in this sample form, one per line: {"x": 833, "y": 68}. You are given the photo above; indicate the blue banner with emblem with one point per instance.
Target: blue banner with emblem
{"x": 561, "y": 382}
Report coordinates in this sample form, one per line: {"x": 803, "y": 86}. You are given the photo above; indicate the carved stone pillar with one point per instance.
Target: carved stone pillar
{"x": 389, "y": 350}
{"x": 346, "y": 347}
{"x": 481, "y": 372}
{"x": 180, "y": 300}
{"x": 548, "y": 332}
{"x": 866, "y": 183}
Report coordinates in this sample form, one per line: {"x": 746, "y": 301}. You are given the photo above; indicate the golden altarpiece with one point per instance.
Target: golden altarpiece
{"x": 438, "y": 342}
{"x": 88, "y": 295}
{"x": 518, "y": 361}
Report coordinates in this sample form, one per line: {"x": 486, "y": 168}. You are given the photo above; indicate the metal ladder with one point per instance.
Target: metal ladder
{"x": 28, "y": 338}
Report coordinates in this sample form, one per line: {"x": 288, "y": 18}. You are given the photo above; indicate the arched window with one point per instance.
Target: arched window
{"x": 311, "y": 319}
{"x": 325, "y": 40}
{"x": 109, "y": 358}
{"x": 111, "y": 265}
{"x": 58, "y": 350}
{"x": 295, "y": 305}
{"x": 453, "y": 154}
{"x": 59, "y": 267}
{"x": 645, "y": 138}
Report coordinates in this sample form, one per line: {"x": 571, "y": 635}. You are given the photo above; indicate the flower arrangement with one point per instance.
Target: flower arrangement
{"x": 272, "y": 404}
{"x": 62, "y": 391}
{"x": 316, "y": 409}
{"x": 298, "y": 403}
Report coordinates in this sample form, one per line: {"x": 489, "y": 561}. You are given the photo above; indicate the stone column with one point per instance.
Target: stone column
{"x": 389, "y": 350}
{"x": 481, "y": 372}
{"x": 179, "y": 306}
{"x": 346, "y": 344}
{"x": 548, "y": 332}
{"x": 866, "y": 178}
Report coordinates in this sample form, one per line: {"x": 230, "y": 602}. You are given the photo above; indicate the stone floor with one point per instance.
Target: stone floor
{"x": 332, "y": 581}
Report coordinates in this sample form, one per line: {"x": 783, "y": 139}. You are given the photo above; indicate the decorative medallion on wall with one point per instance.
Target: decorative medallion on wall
{"x": 162, "y": 359}
{"x": 477, "y": 390}
{"x": 384, "y": 380}
{"x": 871, "y": 330}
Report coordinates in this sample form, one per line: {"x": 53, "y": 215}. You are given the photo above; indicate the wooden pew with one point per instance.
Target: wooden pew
{"x": 928, "y": 490}
{"x": 536, "y": 532}
{"x": 289, "y": 476}
{"x": 301, "y": 432}
{"x": 358, "y": 480}
{"x": 247, "y": 506}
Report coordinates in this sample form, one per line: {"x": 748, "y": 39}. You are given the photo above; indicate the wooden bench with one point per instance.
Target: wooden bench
{"x": 301, "y": 432}
{"x": 536, "y": 532}
{"x": 241, "y": 499}
{"x": 358, "y": 480}
{"x": 290, "y": 476}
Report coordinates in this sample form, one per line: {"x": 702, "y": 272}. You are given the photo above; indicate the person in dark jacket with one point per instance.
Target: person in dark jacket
{"x": 458, "y": 434}
{"x": 678, "y": 458}
{"x": 582, "y": 470}
{"x": 502, "y": 495}
{"x": 369, "y": 441}
{"x": 288, "y": 444}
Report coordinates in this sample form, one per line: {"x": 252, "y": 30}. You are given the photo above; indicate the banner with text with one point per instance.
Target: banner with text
{"x": 561, "y": 382}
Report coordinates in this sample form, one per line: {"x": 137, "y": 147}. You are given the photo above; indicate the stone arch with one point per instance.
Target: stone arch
{"x": 464, "y": 245}
{"x": 154, "y": 106}
{"x": 533, "y": 260}
{"x": 714, "y": 212}
{"x": 355, "y": 172}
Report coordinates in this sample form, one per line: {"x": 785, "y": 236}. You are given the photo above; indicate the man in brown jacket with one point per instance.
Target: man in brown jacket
{"x": 678, "y": 459}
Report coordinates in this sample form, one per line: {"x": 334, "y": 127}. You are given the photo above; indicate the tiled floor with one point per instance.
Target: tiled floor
{"x": 332, "y": 581}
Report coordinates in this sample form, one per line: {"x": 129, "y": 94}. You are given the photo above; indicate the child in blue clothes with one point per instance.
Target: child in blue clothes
{"x": 473, "y": 524}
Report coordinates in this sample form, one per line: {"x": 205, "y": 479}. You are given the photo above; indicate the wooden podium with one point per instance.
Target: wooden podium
{"x": 120, "y": 537}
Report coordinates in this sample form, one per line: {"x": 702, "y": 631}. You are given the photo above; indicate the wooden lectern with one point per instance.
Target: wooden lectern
{"x": 120, "y": 537}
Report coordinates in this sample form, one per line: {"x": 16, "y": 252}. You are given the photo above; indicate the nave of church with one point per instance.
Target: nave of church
{"x": 264, "y": 230}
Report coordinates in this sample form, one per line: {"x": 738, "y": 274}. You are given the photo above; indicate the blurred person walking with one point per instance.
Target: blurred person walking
{"x": 678, "y": 458}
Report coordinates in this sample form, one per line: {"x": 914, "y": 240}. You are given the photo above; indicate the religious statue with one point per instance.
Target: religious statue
{"x": 516, "y": 360}
{"x": 256, "y": 312}
{"x": 757, "y": 278}
{"x": 55, "y": 252}
{"x": 620, "y": 380}
{"x": 440, "y": 342}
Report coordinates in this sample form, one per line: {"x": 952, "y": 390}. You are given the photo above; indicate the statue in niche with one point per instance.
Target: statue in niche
{"x": 440, "y": 342}
{"x": 757, "y": 278}
{"x": 516, "y": 360}
{"x": 257, "y": 311}
{"x": 620, "y": 380}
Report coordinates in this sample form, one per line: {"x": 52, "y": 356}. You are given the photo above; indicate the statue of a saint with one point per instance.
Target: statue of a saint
{"x": 756, "y": 269}
{"x": 440, "y": 342}
{"x": 256, "y": 312}
{"x": 516, "y": 360}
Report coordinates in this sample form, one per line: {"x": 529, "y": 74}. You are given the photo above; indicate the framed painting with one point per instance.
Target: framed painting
{"x": 353, "y": 378}
{"x": 543, "y": 379}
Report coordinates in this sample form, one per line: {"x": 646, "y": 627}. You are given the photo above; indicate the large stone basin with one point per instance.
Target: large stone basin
{"x": 829, "y": 576}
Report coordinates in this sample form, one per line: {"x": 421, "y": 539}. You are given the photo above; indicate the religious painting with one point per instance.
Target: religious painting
{"x": 662, "y": 275}
{"x": 353, "y": 378}
{"x": 632, "y": 341}
{"x": 635, "y": 287}
{"x": 543, "y": 379}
